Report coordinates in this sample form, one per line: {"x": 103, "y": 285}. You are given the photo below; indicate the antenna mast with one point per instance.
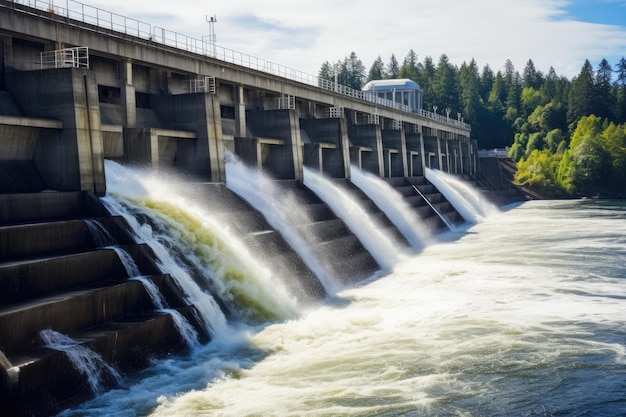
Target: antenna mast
{"x": 212, "y": 37}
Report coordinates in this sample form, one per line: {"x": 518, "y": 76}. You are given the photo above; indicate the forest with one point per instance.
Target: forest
{"x": 568, "y": 137}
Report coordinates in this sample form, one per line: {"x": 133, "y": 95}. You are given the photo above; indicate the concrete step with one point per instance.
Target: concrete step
{"x": 26, "y": 280}
{"x": 416, "y": 201}
{"x": 69, "y": 312}
{"x": 353, "y": 269}
{"x": 395, "y": 182}
{"x": 405, "y": 190}
{"x": 23, "y": 241}
{"x": 341, "y": 247}
{"x": 48, "y": 382}
{"x": 57, "y": 237}
{"x": 319, "y": 212}
{"x": 417, "y": 181}
{"x": 296, "y": 276}
{"x": 325, "y": 230}
{"x": 426, "y": 189}
{"x": 48, "y": 206}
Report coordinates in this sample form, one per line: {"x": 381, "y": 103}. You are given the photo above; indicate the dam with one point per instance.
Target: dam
{"x": 90, "y": 100}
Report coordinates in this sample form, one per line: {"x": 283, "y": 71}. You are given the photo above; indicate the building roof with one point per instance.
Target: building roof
{"x": 401, "y": 83}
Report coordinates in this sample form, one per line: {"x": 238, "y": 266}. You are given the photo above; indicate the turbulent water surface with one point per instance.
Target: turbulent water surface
{"x": 521, "y": 315}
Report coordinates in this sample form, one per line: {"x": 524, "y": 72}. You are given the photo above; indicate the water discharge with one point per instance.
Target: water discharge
{"x": 186, "y": 330}
{"x": 183, "y": 233}
{"x": 521, "y": 314}
{"x": 280, "y": 208}
{"x": 87, "y": 362}
{"x": 131, "y": 268}
{"x": 101, "y": 236}
{"x": 482, "y": 325}
{"x": 394, "y": 206}
{"x": 379, "y": 244}
{"x": 466, "y": 199}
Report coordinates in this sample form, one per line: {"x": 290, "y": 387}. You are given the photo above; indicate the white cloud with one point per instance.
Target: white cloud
{"x": 304, "y": 34}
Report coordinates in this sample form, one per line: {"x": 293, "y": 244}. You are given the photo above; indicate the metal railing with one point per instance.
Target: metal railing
{"x": 91, "y": 15}
{"x": 494, "y": 153}
{"x": 65, "y": 58}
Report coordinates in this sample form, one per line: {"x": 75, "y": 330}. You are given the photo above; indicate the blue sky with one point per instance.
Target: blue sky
{"x": 612, "y": 12}
{"x": 304, "y": 34}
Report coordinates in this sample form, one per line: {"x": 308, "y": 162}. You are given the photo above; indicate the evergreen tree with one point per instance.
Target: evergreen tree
{"x": 620, "y": 91}
{"x": 445, "y": 87}
{"x": 409, "y": 67}
{"x": 355, "y": 72}
{"x": 487, "y": 79}
{"x": 620, "y": 69}
{"x": 531, "y": 77}
{"x": 471, "y": 102}
{"x": 498, "y": 92}
{"x": 393, "y": 68}
{"x": 340, "y": 72}
{"x": 377, "y": 70}
{"x": 550, "y": 84}
{"x": 427, "y": 75}
{"x": 326, "y": 72}
{"x": 605, "y": 101}
{"x": 581, "y": 100}
{"x": 514, "y": 91}
{"x": 509, "y": 72}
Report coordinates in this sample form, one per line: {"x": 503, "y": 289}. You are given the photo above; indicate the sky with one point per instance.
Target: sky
{"x": 304, "y": 34}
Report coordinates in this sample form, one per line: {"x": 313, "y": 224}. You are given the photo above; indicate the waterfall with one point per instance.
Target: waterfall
{"x": 393, "y": 205}
{"x": 186, "y": 330}
{"x": 210, "y": 314}
{"x": 465, "y": 198}
{"x": 381, "y": 246}
{"x": 129, "y": 263}
{"x": 212, "y": 266}
{"x": 280, "y": 209}
{"x": 153, "y": 292}
{"x": 100, "y": 234}
{"x": 84, "y": 360}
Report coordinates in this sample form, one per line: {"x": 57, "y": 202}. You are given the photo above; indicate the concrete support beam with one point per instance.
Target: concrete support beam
{"x": 158, "y": 147}
{"x": 367, "y": 150}
{"x": 449, "y": 167}
{"x": 440, "y": 154}
{"x": 129, "y": 104}
{"x": 461, "y": 164}
{"x": 6, "y": 57}
{"x": 271, "y": 128}
{"x": 328, "y": 149}
{"x": 395, "y": 152}
{"x": 240, "y": 112}
{"x": 422, "y": 153}
{"x": 71, "y": 159}
{"x": 198, "y": 113}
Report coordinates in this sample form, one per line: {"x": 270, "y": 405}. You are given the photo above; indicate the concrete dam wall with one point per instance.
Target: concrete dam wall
{"x": 136, "y": 203}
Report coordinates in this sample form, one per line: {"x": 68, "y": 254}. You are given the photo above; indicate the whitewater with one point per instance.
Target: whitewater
{"x": 521, "y": 313}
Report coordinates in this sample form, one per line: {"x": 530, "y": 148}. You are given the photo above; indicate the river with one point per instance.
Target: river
{"x": 523, "y": 314}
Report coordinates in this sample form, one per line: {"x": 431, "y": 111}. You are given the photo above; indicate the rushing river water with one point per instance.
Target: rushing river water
{"x": 523, "y": 314}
